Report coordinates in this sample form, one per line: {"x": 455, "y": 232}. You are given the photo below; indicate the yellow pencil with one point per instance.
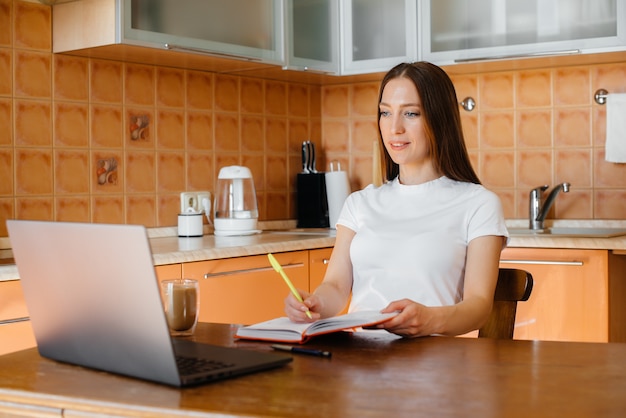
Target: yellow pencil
{"x": 279, "y": 270}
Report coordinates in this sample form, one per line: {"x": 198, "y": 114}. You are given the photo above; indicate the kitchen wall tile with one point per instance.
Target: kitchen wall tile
{"x": 32, "y": 74}
{"x": 277, "y": 206}
{"x": 533, "y": 88}
{"x": 573, "y": 166}
{"x": 6, "y": 121}
{"x": 252, "y": 93}
{"x": 71, "y": 171}
{"x": 226, "y": 93}
{"x": 72, "y": 209}
{"x": 107, "y": 172}
{"x": 256, "y": 164}
{"x": 364, "y": 133}
{"x": 139, "y": 128}
{"x": 276, "y": 98}
{"x": 572, "y": 127}
{"x": 170, "y": 172}
{"x": 224, "y": 159}
{"x": 315, "y": 102}
{"x": 364, "y": 99}
{"x": 609, "y": 204}
{"x": 252, "y": 133}
{"x": 34, "y": 208}
{"x": 276, "y": 135}
{"x": 71, "y": 78}
{"x": 261, "y": 199}
{"x": 607, "y": 174}
{"x": 336, "y": 136}
{"x": 534, "y": 128}
{"x": 168, "y": 207}
{"x": 6, "y": 81}
{"x": 106, "y": 126}
{"x": 298, "y": 100}
{"x": 141, "y": 209}
{"x": 32, "y": 123}
{"x": 7, "y": 211}
{"x": 170, "y": 87}
{"x": 71, "y": 122}
{"x": 496, "y": 90}
{"x": 199, "y": 90}
{"x": 6, "y": 172}
{"x": 497, "y": 129}
{"x": 170, "y": 129}
{"x": 494, "y": 171}
{"x": 106, "y": 82}
{"x": 609, "y": 77}
{"x": 335, "y": 101}
{"x": 534, "y": 168}
{"x": 200, "y": 169}
{"x": 465, "y": 86}
{"x": 598, "y": 125}
{"x": 507, "y": 199}
{"x": 572, "y": 86}
{"x": 576, "y": 204}
{"x": 276, "y": 173}
{"x": 6, "y": 13}
{"x": 469, "y": 122}
{"x": 298, "y": 132}
{"x": 294, "y": 166}
{"x": 522, "y": 203}
{"x": 359, "y": 170}
{"x": 33, "y": 26}
{"x": 108, "y": 209}
{"x": 199, "y": 131}
{"x": 226, "y": 133}
{"x": 33, "y": 171}
{"x": 139, "y": 85}
{"x": 140, "y": 172}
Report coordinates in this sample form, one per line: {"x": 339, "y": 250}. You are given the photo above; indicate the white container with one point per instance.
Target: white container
{"x": 235, "y": 208}
{"x": 190, "y": 224}
{"x": 337, "y": 190}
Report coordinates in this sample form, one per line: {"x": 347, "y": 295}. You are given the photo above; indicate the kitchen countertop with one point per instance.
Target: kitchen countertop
{"x": 167, "y": 248}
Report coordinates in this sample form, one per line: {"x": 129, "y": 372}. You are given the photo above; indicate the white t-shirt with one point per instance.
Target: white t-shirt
{"x": 411, "y": 240}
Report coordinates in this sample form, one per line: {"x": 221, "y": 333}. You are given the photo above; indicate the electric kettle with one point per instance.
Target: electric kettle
{"x": 235, "y": 208}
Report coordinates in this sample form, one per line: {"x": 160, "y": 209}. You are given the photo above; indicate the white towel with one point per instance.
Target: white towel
{"x": 615, "y": 150}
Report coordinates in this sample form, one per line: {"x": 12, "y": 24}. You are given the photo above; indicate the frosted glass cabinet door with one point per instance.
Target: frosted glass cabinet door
{"x": 239, "y": 28}
{"x": 458, "y": 30}
{"x": 378, "y": 34}
{"x": 313, "y": 35}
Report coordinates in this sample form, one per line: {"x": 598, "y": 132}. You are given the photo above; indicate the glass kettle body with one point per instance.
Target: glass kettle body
{"x": 235, "y": 208}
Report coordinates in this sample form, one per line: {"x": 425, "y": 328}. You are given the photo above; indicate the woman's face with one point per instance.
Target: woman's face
{"x": 402, "y": 125}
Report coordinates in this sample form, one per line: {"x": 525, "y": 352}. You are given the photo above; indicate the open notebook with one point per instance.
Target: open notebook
{"x": 93, "y": 299}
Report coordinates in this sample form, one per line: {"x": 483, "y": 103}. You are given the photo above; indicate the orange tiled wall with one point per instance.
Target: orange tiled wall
{"x": 529, "y": 128}
{"x": 63, "y": 119}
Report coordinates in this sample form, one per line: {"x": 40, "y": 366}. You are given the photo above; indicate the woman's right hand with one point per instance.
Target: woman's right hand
{"x": 296, "y": 310}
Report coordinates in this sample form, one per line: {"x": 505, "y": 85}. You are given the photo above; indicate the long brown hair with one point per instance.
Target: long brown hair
{"x": 442, "y": 121}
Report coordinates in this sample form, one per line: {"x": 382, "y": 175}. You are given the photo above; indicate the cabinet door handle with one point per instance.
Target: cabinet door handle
{"x": 325, "y": 261}
{"x": 252, "y": 270}
{"x": 173, "y": 47}
{"x": 14, "y": 320}
{"x": 512, "y": 56}
{"x": 544, "y": 262}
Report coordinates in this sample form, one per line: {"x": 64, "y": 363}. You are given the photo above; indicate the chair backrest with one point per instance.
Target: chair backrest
{"x": 513, "y": 286}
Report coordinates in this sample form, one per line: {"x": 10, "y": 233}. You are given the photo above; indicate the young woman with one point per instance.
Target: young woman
{"x": 426, "y": 243}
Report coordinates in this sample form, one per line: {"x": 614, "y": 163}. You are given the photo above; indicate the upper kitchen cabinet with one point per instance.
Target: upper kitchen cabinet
{"x": 313, "y": 35}
{"x": 456, "y": 31}
{"x": 377, "y": 34}
{"x": 249, "y": 30}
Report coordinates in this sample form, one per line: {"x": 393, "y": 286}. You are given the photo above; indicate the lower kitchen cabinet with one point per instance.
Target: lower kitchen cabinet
{"x": 578, "y": 294}
{"x": 246, "y": 290}
{"x": 16, "y": 332}
{"x": 318, "y": 262}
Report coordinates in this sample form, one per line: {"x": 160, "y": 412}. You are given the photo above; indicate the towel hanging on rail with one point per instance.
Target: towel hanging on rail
{"x": 615, "y": 148}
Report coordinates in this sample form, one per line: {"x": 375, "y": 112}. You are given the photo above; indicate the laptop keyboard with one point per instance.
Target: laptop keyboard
{"x": 193, "y": 365}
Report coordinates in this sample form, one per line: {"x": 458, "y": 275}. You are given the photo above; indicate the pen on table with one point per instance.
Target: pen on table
{"x": 279, "y": 269}
{"x": 300, "y": 350}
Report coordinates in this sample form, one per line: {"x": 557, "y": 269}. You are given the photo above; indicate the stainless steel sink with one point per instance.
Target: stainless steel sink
{"x": 571, "y": 232}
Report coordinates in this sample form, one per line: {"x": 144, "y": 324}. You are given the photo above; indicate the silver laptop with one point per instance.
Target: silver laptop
{"x": 93, "y": 300}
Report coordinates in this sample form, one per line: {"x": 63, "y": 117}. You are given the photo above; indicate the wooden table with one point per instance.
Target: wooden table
{"x": 367, "y": 376}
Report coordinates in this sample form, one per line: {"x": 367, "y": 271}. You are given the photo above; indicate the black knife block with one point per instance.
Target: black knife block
{"x": 312, "y": 201}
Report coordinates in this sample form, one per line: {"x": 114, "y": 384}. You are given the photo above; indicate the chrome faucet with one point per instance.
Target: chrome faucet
{"x": 537, "y": 209}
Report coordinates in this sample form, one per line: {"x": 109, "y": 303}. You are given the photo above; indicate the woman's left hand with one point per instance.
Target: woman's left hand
{"x": 414, "y": 319}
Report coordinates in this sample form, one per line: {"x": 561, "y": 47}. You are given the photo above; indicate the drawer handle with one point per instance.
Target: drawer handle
{"x": 14, "y": 320}
{"x": 543, "y": 262}
{"x": 325, "y": 261}
{"x": 252, "y": 270}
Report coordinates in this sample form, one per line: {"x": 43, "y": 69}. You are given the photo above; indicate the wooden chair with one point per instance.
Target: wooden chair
{"x": 513, "y": 286}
